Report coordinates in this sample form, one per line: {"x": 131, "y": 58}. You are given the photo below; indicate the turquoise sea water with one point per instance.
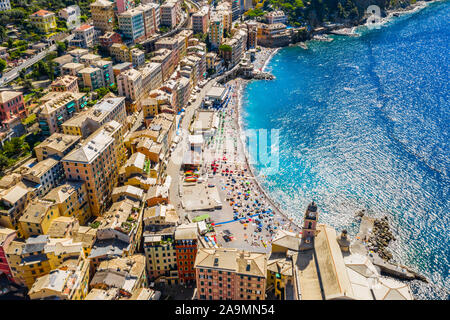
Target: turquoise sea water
{"x": 364, "y": 123}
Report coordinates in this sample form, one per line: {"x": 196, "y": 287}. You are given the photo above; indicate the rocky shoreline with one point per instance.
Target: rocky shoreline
{"x": 375, "y": 236}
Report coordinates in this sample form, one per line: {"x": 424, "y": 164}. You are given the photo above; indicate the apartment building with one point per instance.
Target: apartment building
{"x": 150, "y": 13}
{"x": 56, "y": 146}
{"x": 98, "y": 75}
{"x": 77, "y": 53}
{"x": 84, "y": 36}
{"x": 129, "y": 84}
{"x": 67, "y": 282}
{"x": 5, "y": 5}
{"x": 131, "y": 24}
{"x": 126, "y": 275}
{"x": 38, "y": 255}
{"x": 95, "y": 163}
{"x": 116, "y": 130}
{"x": 238, "y": 44}
{"x": 13, "y": 202}
{"x": 137, "y": 57}
{"x": 6, "y": 236}
{"x": 186, "y": 239}
{"x": 171, "y": 13}
{"x": 102, "y": 12}
{"x": 109, "y": 38}
{"x": 224, "y": 10}
{"x": 12, "y": 105}
{"x": 37, "y": 218}
{"x": 151, "y": 76}
{"x": 106, "y": 110}
{"x": 276, "y": 17}
{"x": 273, "y": 35}
{"x": 43, "y": 20}
{"x": 230, "y": 274}
{"x": 160, "y": 252}
{"x": 120, "y": 52}
{"x": 122, "y": 6}
{"x": 65, "y": 83}
{"x": 71, "y": 198}
{"x": 167, "y": 59}
{"x": 123, "y": 221}
{"x": 45, "y": 174}
{"x": 57, "y": 108}
{"x": 72, "y": 68}
{"x": 215, "y": 31}
{"x": 71, "y": 15}
{"x": 88, "y": 59}
{"x": 200, "y": 20}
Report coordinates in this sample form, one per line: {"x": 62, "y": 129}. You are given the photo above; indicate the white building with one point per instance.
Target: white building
{"x": 5, "y": 5}
{"x": 131, "y": 24}
{"x": 84, "y": 36}
{"x": 276, "y": 17}
{"x": 71, "y": 14}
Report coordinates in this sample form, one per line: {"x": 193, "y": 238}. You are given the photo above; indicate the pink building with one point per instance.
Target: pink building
{"x": 122, "y": 5}
{"x": 230, "y": 274}
{"x": 6, "y": 236}
{"x": 11, "y": 106}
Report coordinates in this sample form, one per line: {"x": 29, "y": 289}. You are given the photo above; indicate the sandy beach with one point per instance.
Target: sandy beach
{"x": 255, "y": 218}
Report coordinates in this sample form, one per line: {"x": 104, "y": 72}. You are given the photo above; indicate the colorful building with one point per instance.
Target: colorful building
{"x": 186, "y": 239}
{"x": 6, "y": 236}
{"x": 37, "y": 218}
{"x": 56, "y": 146}
{"x": 43, "y": 20}
{"x": 102, "y": 12}
{"x": 131, "y": 24}
{"x": 216, "y": 31}
{"x": 65, "y": 83}
{"x": 11, "y": 106}
{"x": 230, "y": 274}
{"x": 69, "y": 281}
{"x": 38, "y": 255}
{"x": 45, "y": 174}
{"x": 59, "y": 107}
{"x": 95, "y": 163}
{"x": 72, "y": 200}
{"x": 200, "y": 20}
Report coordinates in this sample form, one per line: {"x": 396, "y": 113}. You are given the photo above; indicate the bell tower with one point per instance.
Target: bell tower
{"x": 310, "y": 222}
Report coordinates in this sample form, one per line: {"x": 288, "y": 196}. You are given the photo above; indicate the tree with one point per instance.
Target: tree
{"x": 61, "y": 47}
{"x": 2, "y": 65}
{"x": 3, "y": 162}
{"x": 225, "y": 48}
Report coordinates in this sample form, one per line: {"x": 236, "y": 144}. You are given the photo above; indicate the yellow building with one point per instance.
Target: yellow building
{"x": 70, "y": 281}
{"x": 102, "y": 12}
{"x": 71, "y": 200}
{"x": 13, "y": 202}
{"x": 37, "y": 256}
{"x": 37, "y": 218}
{"x": 43, "y": 20}
{"x": 87, "y": 236}
{"x": 120, "y": 52}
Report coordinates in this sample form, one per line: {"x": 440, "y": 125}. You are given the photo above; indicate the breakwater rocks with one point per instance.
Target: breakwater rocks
{"x": 380, "y": 238}
{"x": 375, "y": 235}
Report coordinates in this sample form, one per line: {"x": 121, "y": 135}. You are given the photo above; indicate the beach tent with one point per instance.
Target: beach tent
{"x": 390, "y": 289}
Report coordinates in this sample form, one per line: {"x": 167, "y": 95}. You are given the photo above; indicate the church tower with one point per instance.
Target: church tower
{"x": 310, "y": 222}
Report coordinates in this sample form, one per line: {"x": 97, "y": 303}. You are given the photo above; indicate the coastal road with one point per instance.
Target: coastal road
{"x": 14, "y": 73}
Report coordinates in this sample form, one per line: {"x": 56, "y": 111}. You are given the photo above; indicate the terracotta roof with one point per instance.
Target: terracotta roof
{"x": 42, "y": 13}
